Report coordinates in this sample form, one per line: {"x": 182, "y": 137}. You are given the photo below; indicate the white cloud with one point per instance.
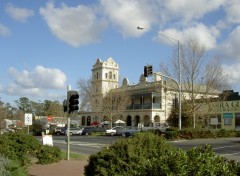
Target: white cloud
{"x": 17, "y": 90}
{"x": 39, "y": 78}
{"x": 74, "y": 25}
{"x": 230, "y": 47}
{"x": 233, "y": 73}
{"x": 18, "y": 14}
{"x": 127, "y": 15}
{"x": 4, "y": 31}
{"x": 191, "y": 10}
{"x": 206, "y": 36}
{"x": 232, "y": 11}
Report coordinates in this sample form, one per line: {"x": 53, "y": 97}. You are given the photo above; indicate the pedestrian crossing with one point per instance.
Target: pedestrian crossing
{"x": 88, "y": 144}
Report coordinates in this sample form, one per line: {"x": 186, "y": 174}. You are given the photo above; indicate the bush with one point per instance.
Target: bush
{"x": 3, "y": 166}
{"x": 225, "y": 133}
{"x": 11, "y": 168}
{"x": 149, "y": 154}
{"x": 48, "y": 154}
{"x": 16, "y": 146}
{"x": 19, "y": 146}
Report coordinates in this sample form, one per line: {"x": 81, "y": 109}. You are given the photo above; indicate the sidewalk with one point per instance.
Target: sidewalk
{"x": 62, "y": 168}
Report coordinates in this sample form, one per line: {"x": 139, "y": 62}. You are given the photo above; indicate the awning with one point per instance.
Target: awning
{"x": 95, "y": 123}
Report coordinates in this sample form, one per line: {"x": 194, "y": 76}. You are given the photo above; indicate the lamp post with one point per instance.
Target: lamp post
{"x": 177, "y": 44}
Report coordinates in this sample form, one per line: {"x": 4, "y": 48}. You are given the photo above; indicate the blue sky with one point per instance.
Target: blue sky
{"x": 47, "y": 45}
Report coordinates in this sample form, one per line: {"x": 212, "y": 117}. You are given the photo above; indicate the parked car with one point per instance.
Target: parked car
{"x": 114, "y": 130}
{"x": 73, "y": 131}
{"x": 59, "y": 130}
{"x": 87, "y": 130}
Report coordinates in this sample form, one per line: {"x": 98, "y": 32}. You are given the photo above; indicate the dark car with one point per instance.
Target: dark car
{"x": 90, "y": 129}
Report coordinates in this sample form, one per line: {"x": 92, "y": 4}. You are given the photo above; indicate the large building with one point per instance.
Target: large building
{"x": 224, "y": 113}
{"x": 152, "y": 101}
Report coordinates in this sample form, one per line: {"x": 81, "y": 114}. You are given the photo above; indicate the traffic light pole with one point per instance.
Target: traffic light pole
{"x": 68, "y": 129}
{"x": 70, "y": 106}
{"x": 68, "y": 137}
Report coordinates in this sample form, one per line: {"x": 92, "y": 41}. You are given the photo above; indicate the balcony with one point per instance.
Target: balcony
{"x": 145, "y": 106}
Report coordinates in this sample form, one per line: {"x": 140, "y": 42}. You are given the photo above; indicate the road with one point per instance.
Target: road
{"x": 87, "y": 145}
{"x": 226, "y": 147}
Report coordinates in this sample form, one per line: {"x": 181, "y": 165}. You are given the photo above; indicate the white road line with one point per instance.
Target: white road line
{"x": 216, "y": 148}
{"x": 89, "y": 144}
{"x": 230, "y": 154}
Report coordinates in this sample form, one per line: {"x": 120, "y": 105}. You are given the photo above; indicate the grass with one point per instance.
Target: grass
{"x": 74, "y": 156}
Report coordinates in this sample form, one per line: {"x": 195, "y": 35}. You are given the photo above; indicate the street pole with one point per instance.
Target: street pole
{"x": 180, "y": 88}
{"x": 172, "y": 40}
{"x": 68, "y": 129}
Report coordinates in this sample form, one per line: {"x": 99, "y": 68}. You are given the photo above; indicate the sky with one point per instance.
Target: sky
{"x": 48, "y": 45}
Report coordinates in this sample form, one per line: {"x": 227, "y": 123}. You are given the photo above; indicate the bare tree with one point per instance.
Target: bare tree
{"x": 114, "y": 104}
{"x": 85, "y": 91}
{"x": 201, "y": 76}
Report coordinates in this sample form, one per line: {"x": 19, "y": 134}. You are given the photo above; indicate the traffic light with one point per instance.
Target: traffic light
{"x": 65, "y": 107}
{"x": 175, "y": 103}
{"x": 73, "y": 101}
{"x": 148, "y": 70}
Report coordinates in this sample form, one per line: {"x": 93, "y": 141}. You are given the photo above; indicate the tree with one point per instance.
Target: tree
{"x": 24, "y": 104}
{"x": 114, "y": 103}
{"x": 201, "y": 76}
{"x": 85, "y": 91}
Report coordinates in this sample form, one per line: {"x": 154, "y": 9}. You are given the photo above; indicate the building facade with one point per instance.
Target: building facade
{"x": 224, "y": 113}
{"x": 152, "y": 101}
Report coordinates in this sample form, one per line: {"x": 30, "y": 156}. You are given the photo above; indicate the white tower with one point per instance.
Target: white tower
{"x": 104, "y": 78}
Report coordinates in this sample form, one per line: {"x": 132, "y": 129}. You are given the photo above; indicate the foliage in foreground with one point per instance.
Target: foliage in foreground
{"x": 16, "y": 149}
{"x": 149, "y": 154}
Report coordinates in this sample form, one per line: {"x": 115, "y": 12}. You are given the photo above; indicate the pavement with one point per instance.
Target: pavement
{"x": 62, "y": 168}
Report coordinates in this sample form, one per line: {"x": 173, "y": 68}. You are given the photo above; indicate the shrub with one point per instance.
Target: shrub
{"x": 149, "y": 154}
{"x": 3, "y": 165}
{"x": 225, "y": 133}
{"x": 11, "y": 168}
{"x": 19, "y": 146}
{"x": 16, "y": 146}
{"x": 48, "y": 154}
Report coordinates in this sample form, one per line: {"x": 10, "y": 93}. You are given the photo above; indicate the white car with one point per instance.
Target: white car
{"x": 113, "y": 131}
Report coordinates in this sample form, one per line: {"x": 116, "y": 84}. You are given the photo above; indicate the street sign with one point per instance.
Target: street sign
{"x": 28, "y": 119}
{"x": 49, "y": 118}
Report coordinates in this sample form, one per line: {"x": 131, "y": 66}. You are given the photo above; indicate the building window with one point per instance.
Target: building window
{"x": 106, "y": 75}
{"x": 114, "y": 76}
{"x": 227, "y": 117}
{"x": 110, "y": 75}
{"x": 97, "y": 75}
{"x": 237, "y": 119}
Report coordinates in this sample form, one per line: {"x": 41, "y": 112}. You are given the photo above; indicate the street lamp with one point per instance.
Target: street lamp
{"x": 177, "y": 44}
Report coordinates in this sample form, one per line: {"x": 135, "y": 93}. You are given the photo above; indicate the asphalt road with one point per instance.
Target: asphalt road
{"x": 86, "y": 145}
{"x": 226, "y": 147}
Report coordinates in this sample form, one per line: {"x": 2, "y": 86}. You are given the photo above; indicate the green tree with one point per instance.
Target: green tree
{"x": 24, "y": 104}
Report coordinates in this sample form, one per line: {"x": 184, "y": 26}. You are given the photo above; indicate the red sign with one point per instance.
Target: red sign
{"x": 49, "y": 118}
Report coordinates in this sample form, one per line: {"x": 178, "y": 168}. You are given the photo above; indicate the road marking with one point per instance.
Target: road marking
{"x": 230, "y": 154}
{"x": 89, "y": 144}
{"x": 216, "y": 148}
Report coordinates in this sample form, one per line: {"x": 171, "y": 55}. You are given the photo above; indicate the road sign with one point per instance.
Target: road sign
{"x": 28, "y": 119}
{"x": 49, "y": 118}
